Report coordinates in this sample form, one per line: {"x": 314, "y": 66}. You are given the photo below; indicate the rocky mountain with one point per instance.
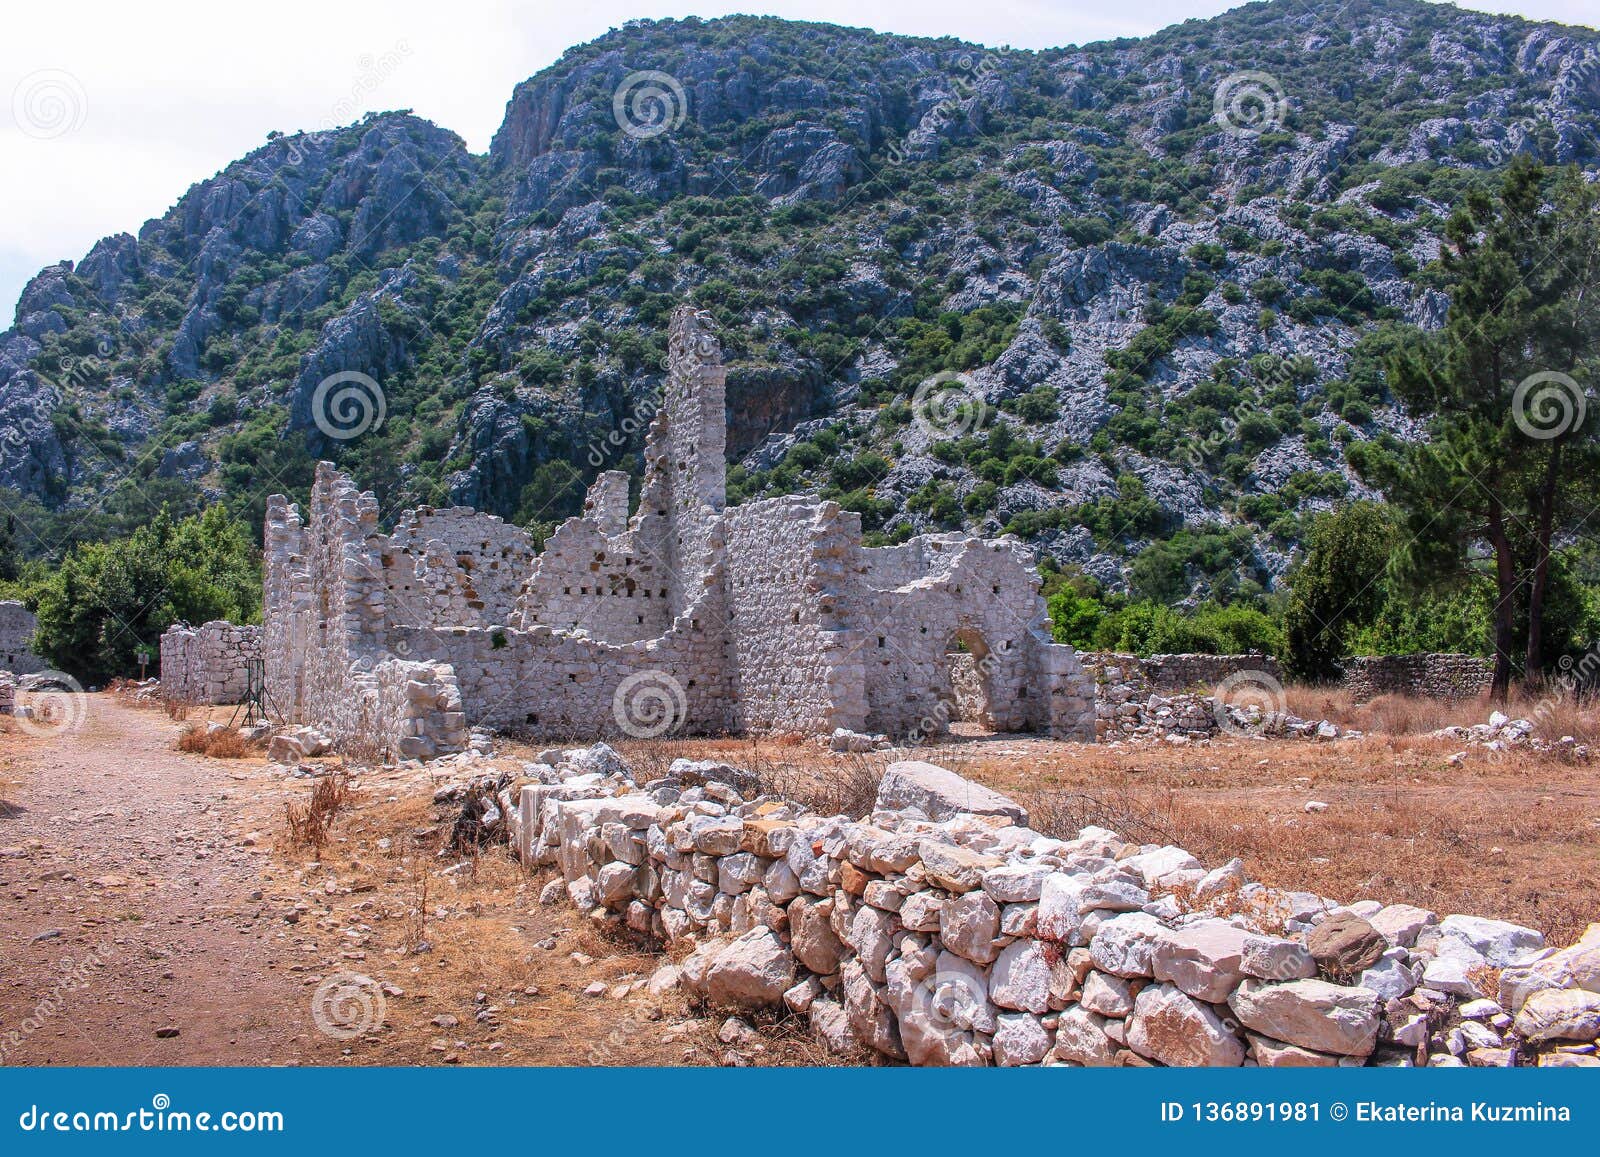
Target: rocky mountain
{"x": 1129, "y": 300}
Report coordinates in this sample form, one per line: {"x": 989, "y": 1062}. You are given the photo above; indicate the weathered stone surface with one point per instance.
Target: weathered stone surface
{"x": 1021, "y": 977}
{"x": 1560, "y": 1014}
{"x": 1106, "y": 994}
{"x": 1314, "y": 1014}
{"x": 1399, "y": 924}
{"x": 812, "y": 936}
{"x": 1081, "y": 1039}
{"x": 1020, "y": 1039}
{"x": 954, "y": 868}
{"x": 1274, "y": 958}
{"x": 968, "y": 926}
{"x": 1499, "y": 942}
{"x": 1125, "y": 945}
{"x": 1344, "y": 944}
{"x": 941, "y": 794}
{"x": 1169, "y": 1027}
{"x": 1202, "y": 960}
{"x": 1277, "y": 1054}
{"x": 1015, "y": 883}
{"x": 751, "y": 972}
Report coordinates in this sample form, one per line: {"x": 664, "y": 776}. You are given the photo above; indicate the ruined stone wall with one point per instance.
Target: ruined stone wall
{"x": 1434, "y": 675}
{"x": 943, "y": 930}
{"x": 1203, "y": 672}
{"x": 1121, "y": 689}
{"x": 983, "y": 594}
{"x": 209, "y": 663}
{"x": 788, "y": 572}
{"x": 598, "y": 584}
{"x": 561, "y": 686}
{"x": 453, "y": 567}
{"x": 17, "y": 625}
{"x": 768, "y": 618}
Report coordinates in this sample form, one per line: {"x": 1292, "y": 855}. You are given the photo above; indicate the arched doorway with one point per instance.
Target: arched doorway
{"x": 967, "y": 670}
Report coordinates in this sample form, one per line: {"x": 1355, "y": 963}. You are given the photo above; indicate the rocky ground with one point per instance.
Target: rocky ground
{"x": 147, "y": 890}
{"x": 155, "y": 913}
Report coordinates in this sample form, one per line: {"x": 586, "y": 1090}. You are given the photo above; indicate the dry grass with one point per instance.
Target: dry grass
{"x": 217, "y": 743}
{"x": 1554, "y": 714}
{"x": 311, "y": 823}
{"x": 1513, "y": 835}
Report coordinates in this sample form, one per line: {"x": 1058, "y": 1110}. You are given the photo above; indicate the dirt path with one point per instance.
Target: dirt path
{"x": 144, "y": 889}
{"x": 131, "y": 899}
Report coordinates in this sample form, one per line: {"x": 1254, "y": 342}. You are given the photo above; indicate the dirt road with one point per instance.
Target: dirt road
{"x": 144, "y": 890}
{"x": 131, "y": 893}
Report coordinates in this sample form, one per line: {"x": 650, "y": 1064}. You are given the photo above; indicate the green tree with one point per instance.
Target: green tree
{"x": 1337, "y": 586}
{"x": 1501, "y": 389}
{"x": 107, "y": 599}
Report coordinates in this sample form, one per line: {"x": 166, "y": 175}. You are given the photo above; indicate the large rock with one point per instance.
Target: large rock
{"x": 812, "y": 936}
{"x": 1344, "y": 944}
{"x": 1202, "y": 960}
{"x": 940, "y": 794}
{"x": 1081, "y": 1039}
{"x": 1021, "y": 977}
{"x": 1556, "y": 1014}
{"x": 1125, "y": 945}
{"x": 1499, "y": 942}
{"x": 1329, "y": 1018}
{"x": 1020, "y": 1040}
{"x": 954, "y": 868}
{"x": 751, "y": 972}
{"x": 1169, "y": 1027}
{"x": 968, "y": 926}
{"x": 1399, "y": 924}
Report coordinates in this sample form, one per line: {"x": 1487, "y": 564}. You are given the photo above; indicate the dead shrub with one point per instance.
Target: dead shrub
{"x": 831, "y": 786}
{"x": 310, "y": 824}
{"x": 1063, "y": 814}
{"x": 217, "y": 743}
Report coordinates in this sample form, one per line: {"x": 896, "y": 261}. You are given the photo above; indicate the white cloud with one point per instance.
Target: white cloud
{"x": 171, "y": 92}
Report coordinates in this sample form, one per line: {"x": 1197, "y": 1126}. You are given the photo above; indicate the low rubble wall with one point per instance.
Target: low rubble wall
{"x": 943, "y": 930}
{"x": 1433, "y": 675}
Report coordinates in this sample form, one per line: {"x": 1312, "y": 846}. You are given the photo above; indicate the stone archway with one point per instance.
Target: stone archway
{"x": 968, "y": 668}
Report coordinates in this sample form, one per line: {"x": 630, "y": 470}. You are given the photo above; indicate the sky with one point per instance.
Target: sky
{"x": 116, "y": 109}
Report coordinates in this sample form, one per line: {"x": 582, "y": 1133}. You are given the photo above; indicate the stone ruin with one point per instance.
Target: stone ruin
{"x": 17, "y": 626}
{"x": 1433, "y": 675}
{"x": 209, "y": 664}
{"x": 943, "y": 930}
{"x": 685, "y": 617}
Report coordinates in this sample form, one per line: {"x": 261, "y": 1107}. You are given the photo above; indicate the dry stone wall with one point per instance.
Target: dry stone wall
{"x": 17, "y": 625}
{"x": 208, "y": 664}
{"x": 1203, "y": 672}
{"x": 942, "y": 930}
{"x": 1434, "y": 675}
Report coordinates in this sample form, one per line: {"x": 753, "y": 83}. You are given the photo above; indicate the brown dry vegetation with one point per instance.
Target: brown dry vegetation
{"x": 220, "y": 743}
{"x": 1514, "y": 835}
{"x": 476, "y": 946}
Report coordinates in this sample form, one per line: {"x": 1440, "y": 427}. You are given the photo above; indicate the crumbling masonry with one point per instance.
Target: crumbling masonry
{"x": 685, "y": 618}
